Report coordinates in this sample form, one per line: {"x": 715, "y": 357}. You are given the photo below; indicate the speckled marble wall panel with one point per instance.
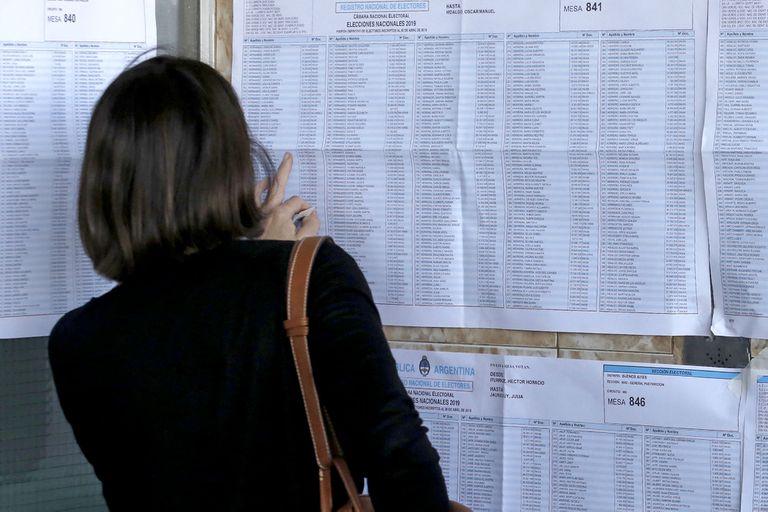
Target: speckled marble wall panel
{"x": 593, "y": 346}
{"x": 476, "y": 349}
{"x": 757, "y": 345}
{"x": 224, "y": 37}
{"x": 677, "y": 349}
{"x": 624, "y": 343}
{"x": 606, "y": 355}
{"x": 473, "y": 336}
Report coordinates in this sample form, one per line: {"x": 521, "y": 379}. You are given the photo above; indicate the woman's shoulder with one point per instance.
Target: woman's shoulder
{"x": 333, "y": 268}
{"x": 64, "y": 338}
{"x": 227, "y": 273}
{"x": 331, "y": 259}
{"x": 336, "y": 267}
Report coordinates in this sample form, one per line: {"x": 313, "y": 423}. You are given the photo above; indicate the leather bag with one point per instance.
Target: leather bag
{"x": 328, "y": 453}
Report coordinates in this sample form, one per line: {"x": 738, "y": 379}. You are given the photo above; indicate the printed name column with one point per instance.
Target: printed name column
{"x": 632, "y": 215}
{"x": 482, "y": 461}
{"x": 439, "y": 269}
{"x": 583, "y": 471}
{"x": 536, "y": 166}
{"x": 355, "y": 129}
{"x": 36, "y": 150}
{"x": 693, "y": 467}
{"x": 739, "y": 164}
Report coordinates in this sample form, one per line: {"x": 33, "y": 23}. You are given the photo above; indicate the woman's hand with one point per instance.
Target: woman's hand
{"x": 278, "y": 213}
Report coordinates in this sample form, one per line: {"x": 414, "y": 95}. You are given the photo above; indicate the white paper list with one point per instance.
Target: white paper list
{"x": 56, "y": 57}
{"x": 735, "y": 145}
{"x": 515, "y": 165}
{"x": 538, "y": 434}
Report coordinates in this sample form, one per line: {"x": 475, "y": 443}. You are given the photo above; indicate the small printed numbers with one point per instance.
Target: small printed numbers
{"x": 594, "y": 6}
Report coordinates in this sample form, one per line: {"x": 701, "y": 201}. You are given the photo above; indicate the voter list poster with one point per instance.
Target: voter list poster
{"x": 524, "y": 164}
{"x": 735, "y": 146}
{"x": 540, "y": 434}
{"x": 56, "y": 58}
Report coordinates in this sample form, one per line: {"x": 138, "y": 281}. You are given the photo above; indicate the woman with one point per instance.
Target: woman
{"x": 179, "y": 383}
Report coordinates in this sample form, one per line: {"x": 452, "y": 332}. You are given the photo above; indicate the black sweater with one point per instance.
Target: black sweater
{"x": 181, "y": 390}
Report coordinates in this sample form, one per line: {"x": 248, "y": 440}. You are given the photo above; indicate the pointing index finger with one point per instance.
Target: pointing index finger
{"x": 277, "y": 192}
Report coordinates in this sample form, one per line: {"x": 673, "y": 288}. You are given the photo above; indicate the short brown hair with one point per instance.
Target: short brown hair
{"x": 168, "y": 168}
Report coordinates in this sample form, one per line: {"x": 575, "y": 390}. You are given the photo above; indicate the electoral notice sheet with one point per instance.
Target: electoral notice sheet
{"x": 56, "y": 57}
{"x": 539, "y": 434}
{"x": 527, "y": 164}
{"x": 735, "y": 164}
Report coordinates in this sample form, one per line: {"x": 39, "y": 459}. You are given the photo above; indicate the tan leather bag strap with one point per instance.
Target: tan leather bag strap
{"x": 297, "y": 328}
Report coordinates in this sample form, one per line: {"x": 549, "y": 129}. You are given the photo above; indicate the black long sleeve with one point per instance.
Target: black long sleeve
{"x": 377, "y": 423}
{"x": 181, "y": 390}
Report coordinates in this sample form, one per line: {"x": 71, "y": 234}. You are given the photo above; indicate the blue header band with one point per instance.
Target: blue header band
{"x": 670, "y": 372}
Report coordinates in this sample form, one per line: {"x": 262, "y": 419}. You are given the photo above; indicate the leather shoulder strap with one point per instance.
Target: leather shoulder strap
{"x": 297, "y": 328}
{"x": 299, "y": 270}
